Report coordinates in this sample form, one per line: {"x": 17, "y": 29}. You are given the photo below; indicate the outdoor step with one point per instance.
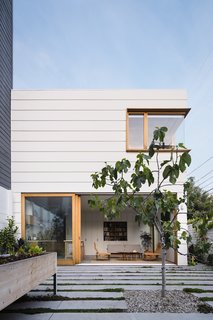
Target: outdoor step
{"x": 22, "y": 316}
{"x": 210, "y": 303}
{"x": 131, "y": 281}
{"x": 98, "y": 304}
{"x": 145, "y": 274}
{"x": 124, "y": 274}
{"x": 34, "y": 304}
{"x": 106, "y": 316}
{"x": 203, "y": 294}
{"x": 126, "y": 287}
{"x": 128, "y": 278}
{"x": 93, "y": 268}
{"x": 71, "y": 305}
{"x": 80, "y": 294}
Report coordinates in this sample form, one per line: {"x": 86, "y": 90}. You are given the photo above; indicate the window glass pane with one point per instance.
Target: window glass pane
{"x": 136, "y": 131}
{"x": 49, "y": 223}
{"x": 172, "y": 122}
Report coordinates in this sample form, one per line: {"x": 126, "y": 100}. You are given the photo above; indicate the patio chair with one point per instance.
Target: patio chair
{"x": 101, "y": 255}
{"x": 148, "y": 255}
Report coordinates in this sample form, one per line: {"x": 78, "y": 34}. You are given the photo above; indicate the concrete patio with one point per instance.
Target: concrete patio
{"x": 96, "y": 292}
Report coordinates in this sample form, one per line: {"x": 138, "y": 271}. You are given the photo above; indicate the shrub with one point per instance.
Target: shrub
{"x": 146, "y": 240}
{"x": 210, "y": 259}
{"x": 200, "y": 250}
{"x": 16, "y": 248}
{"x": 35, "y": 250}
{"x": 8, "y": 237}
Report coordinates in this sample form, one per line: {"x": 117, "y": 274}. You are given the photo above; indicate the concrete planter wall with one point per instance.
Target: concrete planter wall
{"x": 19, "y": 277}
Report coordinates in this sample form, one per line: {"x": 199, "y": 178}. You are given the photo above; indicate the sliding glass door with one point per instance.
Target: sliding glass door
{"x": 48, "y": 220}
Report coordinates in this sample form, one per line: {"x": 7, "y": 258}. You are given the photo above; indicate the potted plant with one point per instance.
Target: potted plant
{"x": 146, "y": 240}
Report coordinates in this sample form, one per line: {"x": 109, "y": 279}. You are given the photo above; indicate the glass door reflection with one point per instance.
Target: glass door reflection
{"x": 49, "y": 223}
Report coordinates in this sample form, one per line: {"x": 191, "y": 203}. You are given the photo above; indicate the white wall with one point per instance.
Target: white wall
{"x": 5, "y": 206}
{"x": 60, "y": 137}
{"x": 182, "y": 218}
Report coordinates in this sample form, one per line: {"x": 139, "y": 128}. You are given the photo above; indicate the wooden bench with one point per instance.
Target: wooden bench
{"x": 149, "y": 255}
{"x": 125, "y": 250}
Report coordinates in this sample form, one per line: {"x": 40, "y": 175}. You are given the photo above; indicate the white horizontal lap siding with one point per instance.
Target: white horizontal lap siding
{"x": 84, "y": 176}
{"x": 60, "y": 137}
{"x": 69, "y": 126}
{"x": 68, "y": 115}
{"x": 94, "y": 95}
{"x": 69, "y": 166}
{"x": 54, "y": 167}
{"x": 96, "y": 105}
{"x": 58, "y": 177}
{"x": 69, "y": 136}
{"x": 76, "y": 146}
{"x": 72, "y": 187}
{"x": 92, "y": 156}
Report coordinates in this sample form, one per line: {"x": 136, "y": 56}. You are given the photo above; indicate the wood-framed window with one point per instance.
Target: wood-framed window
{"x": 140, "y": 124}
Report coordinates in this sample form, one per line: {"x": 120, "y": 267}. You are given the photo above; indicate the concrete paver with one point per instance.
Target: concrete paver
{"x": 132, "y": 287}
{"x": 22, "y": 316}
{"x": 210, "y": 303}
{"x": 99, "y": 277}
{"x": 80, "y": 294}
{"x": 133, "y": 316}
{"x": 204, "y": 294}
{"x": 71, "y": 305}
{"x": 34, "y": 304}
{"x": 133, "y": 281}
{"x": 88, "y": 304}
{"x": 127, "y": 287}
{"x": 107, "y": 316}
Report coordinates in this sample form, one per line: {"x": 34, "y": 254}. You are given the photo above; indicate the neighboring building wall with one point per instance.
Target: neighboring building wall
{"x": 5, "y": 206}
{"x": 195, "y": 236}
{"x": 6, "y": 69}
{"x": 60, "y": 137}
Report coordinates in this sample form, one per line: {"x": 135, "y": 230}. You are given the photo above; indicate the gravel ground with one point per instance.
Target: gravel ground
{"x": 151, "y": 301}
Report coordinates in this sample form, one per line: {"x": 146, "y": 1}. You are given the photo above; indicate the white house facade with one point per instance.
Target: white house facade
{"x": 59, "y": 138}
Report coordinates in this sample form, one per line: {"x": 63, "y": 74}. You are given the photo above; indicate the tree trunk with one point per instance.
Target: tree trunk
{"x": 163, "y": 267}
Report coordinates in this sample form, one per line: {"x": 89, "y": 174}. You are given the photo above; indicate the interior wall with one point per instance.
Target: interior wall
{"x": 92, "y": 228}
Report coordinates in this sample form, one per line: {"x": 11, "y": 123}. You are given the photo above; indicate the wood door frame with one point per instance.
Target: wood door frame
{"x": 76, "y": 222}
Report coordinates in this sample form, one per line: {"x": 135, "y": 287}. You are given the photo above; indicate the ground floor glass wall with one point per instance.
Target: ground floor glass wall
{"x": 48, "y": 223}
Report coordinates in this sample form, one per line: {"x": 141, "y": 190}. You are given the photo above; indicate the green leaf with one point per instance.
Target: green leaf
{"x": 176, "y": 170}
{"x": 115, "y": 174}
{"x": 166, "y": 171}
{"x": 151, "y": 150}
{"x": 187, "y": 158}
{"x": 156, "y": 134}
{"x": 164, "y": 129}
{"x": 172, "y": 179}
{"x": 164, "y": 162}
{"x": 118, "y": 166}
{"x": 182, "y": 165}
{"x": 181, "y": 145}
{"x": 161, "y": 136}
{"x": 184, "y": 235}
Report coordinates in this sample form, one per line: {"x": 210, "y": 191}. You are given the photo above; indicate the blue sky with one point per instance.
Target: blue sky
{"x": 122, "y": 44}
